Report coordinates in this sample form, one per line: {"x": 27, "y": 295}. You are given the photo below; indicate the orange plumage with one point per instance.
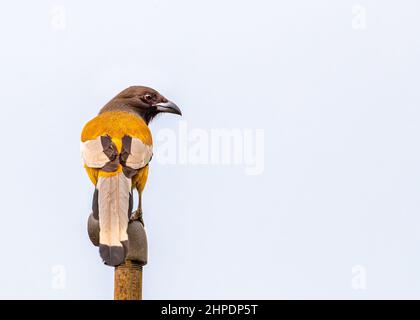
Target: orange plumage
{"x": 116, "y": 148}
{"x": 117, "y": 124}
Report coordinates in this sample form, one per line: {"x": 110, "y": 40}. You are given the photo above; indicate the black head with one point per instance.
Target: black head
{"x": 146, "y": 102}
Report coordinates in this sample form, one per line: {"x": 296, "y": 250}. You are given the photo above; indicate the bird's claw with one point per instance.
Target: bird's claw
{"x": 137, "y": 215}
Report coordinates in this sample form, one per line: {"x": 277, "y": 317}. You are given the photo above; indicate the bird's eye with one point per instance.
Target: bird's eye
{"x": 148, "y": 97}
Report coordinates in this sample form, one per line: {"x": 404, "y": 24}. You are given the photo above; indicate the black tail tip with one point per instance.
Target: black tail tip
{"x": 113, "y": 255}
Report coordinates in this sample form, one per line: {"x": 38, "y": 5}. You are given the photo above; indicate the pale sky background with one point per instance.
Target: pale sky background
{"x": 339, "y": 107}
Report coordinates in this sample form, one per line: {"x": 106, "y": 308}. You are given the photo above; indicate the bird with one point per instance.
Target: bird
{"x": 116, "y": 148}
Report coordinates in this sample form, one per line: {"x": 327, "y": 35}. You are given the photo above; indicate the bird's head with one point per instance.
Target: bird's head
{"x": 146, "y": 102}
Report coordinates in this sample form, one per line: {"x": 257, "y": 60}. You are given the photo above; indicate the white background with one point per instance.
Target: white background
{"x": 339, "y": 107}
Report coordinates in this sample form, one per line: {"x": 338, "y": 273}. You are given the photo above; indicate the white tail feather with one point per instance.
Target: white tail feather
{"x": 113, "y": 201}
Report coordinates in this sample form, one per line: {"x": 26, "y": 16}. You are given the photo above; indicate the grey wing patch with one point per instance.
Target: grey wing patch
{"x": 100, "y": 153}
{"x": 139, "y": 155}
{"x": 93, "y": 153}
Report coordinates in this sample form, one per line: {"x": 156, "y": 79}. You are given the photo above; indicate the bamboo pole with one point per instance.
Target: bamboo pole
{"x": 128, "y": 281}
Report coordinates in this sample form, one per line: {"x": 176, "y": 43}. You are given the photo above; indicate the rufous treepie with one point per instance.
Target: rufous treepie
{"x": 116, "y": 148}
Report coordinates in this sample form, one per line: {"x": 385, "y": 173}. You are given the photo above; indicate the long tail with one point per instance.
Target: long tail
{"x": 114, "y": 205}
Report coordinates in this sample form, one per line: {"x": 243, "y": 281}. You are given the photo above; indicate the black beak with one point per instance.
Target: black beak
{"x": 168, "y": 107}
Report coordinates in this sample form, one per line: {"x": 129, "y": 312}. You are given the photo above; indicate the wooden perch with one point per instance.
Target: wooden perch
{"x": 128, "y": 281}
{"x": 128, "y": 276}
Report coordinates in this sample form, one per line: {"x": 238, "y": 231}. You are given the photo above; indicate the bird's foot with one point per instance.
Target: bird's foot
{"x": 137, "y": 215}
